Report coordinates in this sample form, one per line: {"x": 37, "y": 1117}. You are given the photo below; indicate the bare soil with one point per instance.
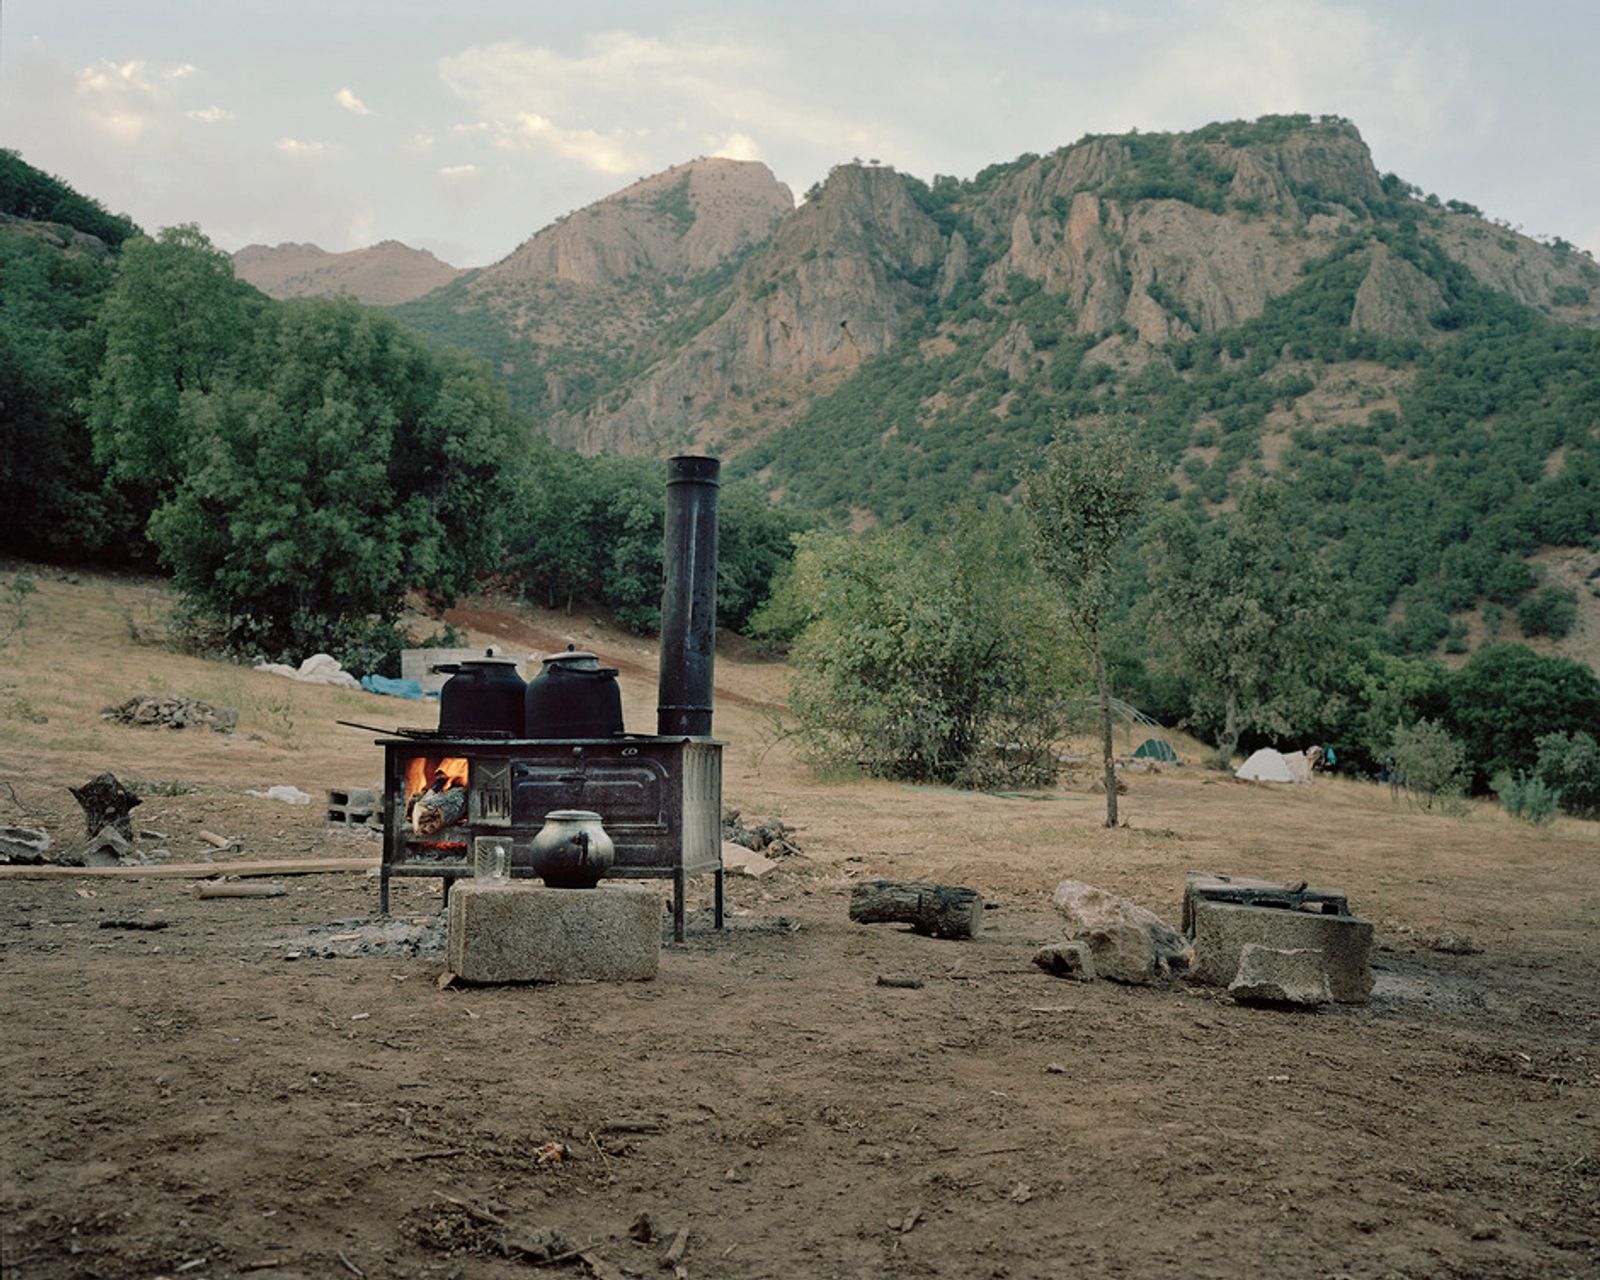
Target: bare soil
{"x": 220, "y": 1098}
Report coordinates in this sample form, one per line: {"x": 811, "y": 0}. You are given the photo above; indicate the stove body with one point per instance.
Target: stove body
{"x": 659, "y": 798}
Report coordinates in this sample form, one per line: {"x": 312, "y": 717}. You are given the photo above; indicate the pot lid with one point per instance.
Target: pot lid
{"x": 573, "y": 660}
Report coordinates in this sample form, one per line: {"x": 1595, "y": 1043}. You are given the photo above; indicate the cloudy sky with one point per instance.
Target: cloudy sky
{"x": 463, "y": 126}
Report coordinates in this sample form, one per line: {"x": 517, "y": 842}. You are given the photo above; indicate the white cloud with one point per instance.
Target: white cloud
{"x": 211, "y": 114}
{"x": 182, "y": 72}
{"x": 422, "y": 140}
{"x": 736, "y": 146}
{"x": 348, "y": 100}
{"x": 459, "y": 171}
{"x": 299, "y": 147}
{"x": 604, "y": 153}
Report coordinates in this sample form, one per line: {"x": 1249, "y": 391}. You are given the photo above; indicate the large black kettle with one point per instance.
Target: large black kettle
{"x": 482, "y": 697}
{"x": 573, "y": 697}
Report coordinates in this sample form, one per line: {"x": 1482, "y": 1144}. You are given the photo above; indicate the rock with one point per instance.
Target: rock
{"x": 23, "y": 844}
{"x": 1452, "y": 943}
{"x": 1130, "y": 944}
{"x": 1295, "y": 976}
{"x": 735, "y": 857}
{"x": 1066, "y": 960}
{"x": 106, "y": 848}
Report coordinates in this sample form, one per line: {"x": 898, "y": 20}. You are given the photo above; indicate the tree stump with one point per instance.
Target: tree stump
{"x": 938, "y": 910}
{"x": 106, "y": 803}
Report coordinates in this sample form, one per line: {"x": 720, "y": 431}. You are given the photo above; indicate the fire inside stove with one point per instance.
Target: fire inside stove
{"x": 436, "y": 797}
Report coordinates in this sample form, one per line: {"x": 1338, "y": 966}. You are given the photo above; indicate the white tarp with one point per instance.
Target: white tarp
{"x": 1266, "y": 765}
{"x": 319, "y": 668}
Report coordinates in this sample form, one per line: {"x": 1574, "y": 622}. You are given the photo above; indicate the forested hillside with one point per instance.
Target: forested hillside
{"x": 1256, "y": 299}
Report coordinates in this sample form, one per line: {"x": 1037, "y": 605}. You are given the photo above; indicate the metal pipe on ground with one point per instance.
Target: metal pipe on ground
{"x": 689, "y": 600}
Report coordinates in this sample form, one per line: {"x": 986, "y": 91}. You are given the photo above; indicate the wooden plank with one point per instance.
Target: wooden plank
{"x": 192, "y": 870}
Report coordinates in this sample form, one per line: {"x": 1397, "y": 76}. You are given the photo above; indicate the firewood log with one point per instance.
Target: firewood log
{"x": 438, "y": 810}
{"x": 940, "y": 910}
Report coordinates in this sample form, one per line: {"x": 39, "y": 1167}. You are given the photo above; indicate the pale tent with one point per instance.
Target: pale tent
{"x": 1265, "y": 765}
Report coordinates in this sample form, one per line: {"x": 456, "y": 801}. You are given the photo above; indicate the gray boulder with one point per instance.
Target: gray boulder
{"x": 1295, "y": 977}
{"x": 1129, "y": 943}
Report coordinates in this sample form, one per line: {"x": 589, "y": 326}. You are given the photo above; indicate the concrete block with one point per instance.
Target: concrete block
{"x": 354, "y": 807}
{"x": 1223, "y": 929}
{"x": 516, "y": 931}
{"x": 1271, "y": 976}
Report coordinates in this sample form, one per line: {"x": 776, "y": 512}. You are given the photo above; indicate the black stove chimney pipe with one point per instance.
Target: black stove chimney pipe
{"x": 689, "y": 602}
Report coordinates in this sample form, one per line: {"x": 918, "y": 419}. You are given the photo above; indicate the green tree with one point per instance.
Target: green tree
{"x": 930, "y": 661}
{"x": 1507, "y": 697}
{"x": 1253, "y": 616}
{"x": 1082, "y": 501}
{"x": 172, "y": 326}
{"x": 1431, "y": 763}
{"x": 339, "y": 467}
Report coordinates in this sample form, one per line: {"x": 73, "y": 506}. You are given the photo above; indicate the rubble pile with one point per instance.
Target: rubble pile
{"x": 772, "y": 838}
{"x": 172, "y": 711}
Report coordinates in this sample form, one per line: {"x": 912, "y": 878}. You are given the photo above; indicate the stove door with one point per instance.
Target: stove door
{"x": 627, "y": 794}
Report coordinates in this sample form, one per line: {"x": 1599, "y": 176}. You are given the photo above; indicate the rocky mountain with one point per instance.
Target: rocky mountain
{"x": 383, "y": 275}
{"x": 1255, "y": 297}
{"x": 580, "y": 306}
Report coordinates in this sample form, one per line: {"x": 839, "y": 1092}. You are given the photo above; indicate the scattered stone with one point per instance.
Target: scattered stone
{"x": 172, "y": 711}
{"x": 1130, "y": 944}
{"x": 23, "y": 845}
{"x": 1223, "y": 929}
{"x": 106, "y": 848}
{"x": 642, "y": 1228}
{"x": 1067, "y": 960}
{"x": 1276, "y": 977}
{"x": 1452, "y": 943}
{"x": 903, "y": 983}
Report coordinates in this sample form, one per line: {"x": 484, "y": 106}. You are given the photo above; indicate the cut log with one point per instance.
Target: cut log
{"x": 106, "y": 803}
{"x": 438, "y": 810}
{"x": 939, "y": 910}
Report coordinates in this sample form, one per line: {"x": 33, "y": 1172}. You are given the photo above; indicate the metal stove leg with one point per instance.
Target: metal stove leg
{"x": 680, "y": 884}
{"x": 383, "y": 888}
{"x": 717, "y": 913}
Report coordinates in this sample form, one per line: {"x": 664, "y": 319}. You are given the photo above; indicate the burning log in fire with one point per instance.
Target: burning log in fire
{"x": 436, "y": 793}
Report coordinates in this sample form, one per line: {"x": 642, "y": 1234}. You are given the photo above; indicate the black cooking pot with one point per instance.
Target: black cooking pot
{"x": 573, "y": 697}
{"x": 483, "y": 696}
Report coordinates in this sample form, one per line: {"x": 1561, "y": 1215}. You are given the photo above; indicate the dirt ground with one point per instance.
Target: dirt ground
{"x": 219, "y": 1098}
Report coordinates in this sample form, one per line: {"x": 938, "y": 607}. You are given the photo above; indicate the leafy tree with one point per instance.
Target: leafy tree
{"x": 1082, "y": 502}
{"x": 1569, "y": 764}
{"x": 337, "y": 467}
{"x": 1507, "y": 697}
{"x": 1430, "y": 762}
{"x": 930, "y": 661}
{"x": 1527, "y": 799}
{"x": 1373, "y": 692}
{"x": 173, "y": 324}
{"x": 1252, "y": 615}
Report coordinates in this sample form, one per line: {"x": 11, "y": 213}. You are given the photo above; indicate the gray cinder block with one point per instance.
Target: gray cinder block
{"x": 514, "y": 931}
{"x": 1223, "y": 929}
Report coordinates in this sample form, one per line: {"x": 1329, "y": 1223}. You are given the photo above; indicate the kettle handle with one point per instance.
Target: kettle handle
{"x": 582, "y": 841}
{"x": 445, "y": 668}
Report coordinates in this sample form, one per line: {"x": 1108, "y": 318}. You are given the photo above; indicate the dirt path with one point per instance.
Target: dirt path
{"x": 192, "y": 1101}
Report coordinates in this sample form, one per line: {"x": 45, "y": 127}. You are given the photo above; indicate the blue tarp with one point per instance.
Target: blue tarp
{"x": 394, "y": 688}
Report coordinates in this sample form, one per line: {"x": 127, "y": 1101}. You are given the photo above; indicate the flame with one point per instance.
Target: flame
{"x": 423, "y": 771}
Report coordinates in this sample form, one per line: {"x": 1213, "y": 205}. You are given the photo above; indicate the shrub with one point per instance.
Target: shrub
{"x": 1507, "y": 696}
{"x": 1431, "y": 763}
{"x": 1550, "y": 612}
{"x": 1526, "y": 799}
{"x": 1569, "y": 765}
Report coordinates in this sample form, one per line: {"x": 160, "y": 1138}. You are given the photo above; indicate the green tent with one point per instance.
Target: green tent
{"x": 1156, "y": 749}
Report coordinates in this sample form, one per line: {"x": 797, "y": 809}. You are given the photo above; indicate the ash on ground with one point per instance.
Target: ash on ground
{"x": 356, "y": 939}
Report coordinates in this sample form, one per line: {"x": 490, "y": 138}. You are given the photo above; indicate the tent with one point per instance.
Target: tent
{"x": 1265, "y": 765}
{"x": 1156, "y": 749}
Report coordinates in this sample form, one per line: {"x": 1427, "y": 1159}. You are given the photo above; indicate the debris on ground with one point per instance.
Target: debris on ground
{"x": 172, "y": 711}
{"x": 772, "y": 838}
{"x": 232, "y": 889}
{"x": 289, "y": 795}
{"x": 106, "y": 803}
{"x": 454, "y": 1226}
{"x": 1451, "y": 943}
{"x": 353, "y": 939}
{"x": 736, "y": 857}
{"x": 899, "y": 981}
{"x": 24, "y": 845}
{"x": 319, "y": 668}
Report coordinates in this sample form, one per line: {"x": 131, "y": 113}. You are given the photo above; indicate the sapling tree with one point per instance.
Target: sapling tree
{"x": 1082, "y": 500}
